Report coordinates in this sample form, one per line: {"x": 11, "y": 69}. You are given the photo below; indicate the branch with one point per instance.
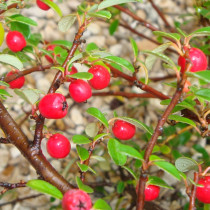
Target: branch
{"x": 9, "y": 186}
{"x": 162, "y": 16}
{"x": 4, "y": 141}
{"x": 9, "y": 7}
{"x": 124, "y": 94}
{"x": 27, "y": 71}
{"x": 157, "y": 79}
{"x": 193, "y": 192}
{"x": 153, "y": 140}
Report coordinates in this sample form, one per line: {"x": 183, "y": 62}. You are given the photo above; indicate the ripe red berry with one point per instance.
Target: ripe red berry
{"x": 80, "y": 90}
{"x": 17, "y": 83}
{"x": 203, "y": 193}
{"x": 198, "y": 59}
{"x": 42, "y": 5}
{"x": 123, "y": 130}
{"x": 50, "y": 48}
{"x": 101, "y": 77}
{"x": 58, "y": 146}
{"x": 76, "y": 200}
{"x": 73, "y": 71}
{"x": 15, "y": 41}
{"x": 53, "y": 106}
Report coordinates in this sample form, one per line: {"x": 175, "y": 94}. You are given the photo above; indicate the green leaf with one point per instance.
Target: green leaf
{"x": 131, "y": 172}
{"x": 91, "y": 46}
{"x": 204, "y": 75}
{"x": 113, "y": 26}
{"x": 185, "y": 164}
{"x": 109, "y": 3}
{"x": 64, "y": 43}
{"x": 44, "y": 187}
{"x": 83, "y": 187}
{"x": 22, "y": 19}
{"x": 201, "y": 150}
{"x": 54, "y": 6}
{"x": 92, "y": 129}
{"x": 21, "y": 27}
{"x": 31, "y": 96}
{"x": 120, "y": 187}
{"x": 81, "y": 75}
{"x": 2, "y": 83}
{"x": 60, "y": 68}
{"x": 161, "y": 56}
{"x": 135, "y": 47}
{"x": 178, "y": 118}
{"x": 205, "y": 31}
{"x": 82, "y": 152}
{"x": 203, "y": 93}
{"x": 4, "y": 93}
{"x": 181, "y": 32}
{"x": 66, "y": 22}
{"x": 187, "y": 104}
{"x": 100, "y": 14}
{"x": 80, "y": 139}
{"x": 120, "y": 61}
{"x": 11, "y": 60}
{"x": 98, "y": 114}
{"x": 169, "y": 168}
{"x": 100, "y": 204}
{"x": 154, "y": 180}
{"x": 165, "y": 149}
{"x": 150, "y": 60}
{"x": 137, "y": 123}
{"x": 113, "y": 150}
{"x": 82, "y": 167}
{"x": 100, "y": 136}
{"x": 174, "y": 36}
{"x": 34, "y": 39}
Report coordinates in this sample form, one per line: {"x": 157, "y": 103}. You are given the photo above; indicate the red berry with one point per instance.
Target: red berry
{"x": 15, "y": 41}
{"x": 203, "y": 193}
{"x": 76, "y": 200}
{"x": 42, "y": 5}
{"x": 101, "y": 77}
{"x": 198, "y": 59}
{"x": 123, "y": 130}
{"x": 53, "y": 106}
{"x": 73, "y": 71}
{"x": 17, "y": 83}
{"x": 80, "y": 90}
{"x": 58, "y": 146}
{"x": 50, "y": 48}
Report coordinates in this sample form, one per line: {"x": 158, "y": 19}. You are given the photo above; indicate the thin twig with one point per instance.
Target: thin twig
{"x": 8, "y": 186}
{"x": 193, "y": 192}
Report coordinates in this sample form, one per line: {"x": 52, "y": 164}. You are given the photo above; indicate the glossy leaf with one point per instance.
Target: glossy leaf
{"x": 174, "y": 36}
{"x": 137, "y": 123}
{"x": 185, "y": 164}
{"x": 120, "y": 61}
{"x": 54, "y": 6}
{"x": 178, "y": 118}
{"x": 165, "y": 149}
{"x": 203, "y": 93}
{"x": 82, "y": 167}
{"x": 100, "y": 136}
{"x": 22, "y": 19}
{"x": 80, "y": 139}
{"x": 204, "y": 75}
{"x": 45, "y": 187}
{"x": 100, "y": 204}
{"x": 169, "y": 168}
{"x": 100, "y": 14}
{"x": 11, "y": 60}
{"x": 154, "y": 180}
{"x": 113, "y": 26}
{"x": 4, "y": 93}
{"x": 109, "y": 3}
{"x": 113, "y": 150}
{"x": 205, "y": 31}
{"x": 91, "y": 46}
{"x": 83, "y": 187}
{"x": 98, "y": 114}
{"x": 66, "y": 22}
{"x": 64, "y": 43}
{"x": 81, "y": 75}
{"x": 135, "y": 47}
{"x": 82, "y": 152}
{"x": 120, "y": 187}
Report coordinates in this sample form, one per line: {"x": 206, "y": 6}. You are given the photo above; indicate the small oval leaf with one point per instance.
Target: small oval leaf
{"x": 11, "y": 60}
{"x": 185, "y": 164}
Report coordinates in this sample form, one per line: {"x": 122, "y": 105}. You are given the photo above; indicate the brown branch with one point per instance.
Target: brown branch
{"x": 9, "y": 7}
{"x": 162, "y": 16}
{"x": 157, "y": 79}
{"x": 9, "y": 186}
{"x": 135, "y": 17}
{"x": 124, "y": 94}
{"x": 20, "y": 200}
{"x": 141, "y": 85}
{"x": 193, "y": 192}
{"x": 156, "y": 134}
{"x": 4, "y": 141}
{"x": 27, "y": 71}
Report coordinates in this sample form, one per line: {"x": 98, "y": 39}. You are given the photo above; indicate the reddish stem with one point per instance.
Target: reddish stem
{"x": 193, "y": 192}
